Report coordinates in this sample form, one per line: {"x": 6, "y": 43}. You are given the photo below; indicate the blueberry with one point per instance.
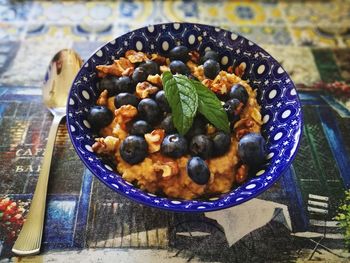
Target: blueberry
{"x": 239, "y": 92}
{"x": 140, "y": 127}
{"x": 125, "y": 99}
{"x": 149, "y": 110}
{"x": 124, "y": 84}
{"x": 99, "y": 117}
{"x": 198, "y": 127}
{"x": 202, "y": 146}
{"x": 178, "y": 67}
{"x": 139, "y": 75}
{"x": 210, "y": 54}
{"x": 198, "y": 170}
{"x": 110, "y": 84}
{"x": 179, "y": 53}
{"x": 168, "y": 125}
{"x": 174, "y": 145}
{"x": 133, "y": 149}
{"x": 162, "y": 101}
{"x": 211, "y": 68}
{"x": 221, "y": 142}
{"x": 251, "y": 149}
{"x": 151, "y": 67}
{"x": 232, "y": 108}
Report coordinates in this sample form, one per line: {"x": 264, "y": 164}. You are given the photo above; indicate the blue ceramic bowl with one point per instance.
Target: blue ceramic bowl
{"x": 277, "y": 95}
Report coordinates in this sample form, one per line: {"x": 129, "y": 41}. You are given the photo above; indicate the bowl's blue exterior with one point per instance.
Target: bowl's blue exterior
{"x": 281, "y": 109}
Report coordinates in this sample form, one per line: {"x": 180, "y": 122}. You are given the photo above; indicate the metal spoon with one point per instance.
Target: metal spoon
{"x": 60, "y": 75}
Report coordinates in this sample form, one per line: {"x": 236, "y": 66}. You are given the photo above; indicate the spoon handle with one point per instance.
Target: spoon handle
{"x": 29, "y": 239}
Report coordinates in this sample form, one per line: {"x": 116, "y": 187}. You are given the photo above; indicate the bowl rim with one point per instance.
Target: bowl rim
{"x": 189, "y": 209}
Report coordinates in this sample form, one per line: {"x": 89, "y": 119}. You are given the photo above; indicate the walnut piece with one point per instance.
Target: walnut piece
{"x": 164, "y": 68}
{"x": 158, "y": 59}
{"x": 168, "y": 169}
{"x": 135, "y": 57}
{"x": 120, "y": 67}
{"x": 154, "y": 140}
{"x": 144, "y": 89}
{"x": 242, "y": 174}
{"x": 103, "y": 98}
{"x": 107, "y": 145}
{"x": 199, "y": 73}
{"x": 155, "y": 80}
{"x": 191, "y": 65}
{"x": 124, "y": 114}
{"x": 194, "y": 56}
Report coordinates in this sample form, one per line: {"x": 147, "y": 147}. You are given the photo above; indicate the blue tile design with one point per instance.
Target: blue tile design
{"x": 335, "y": 140}
{"x": 340, "y": 109}
{"x": 296, "y": 206}
{"x": 83, "y": 210}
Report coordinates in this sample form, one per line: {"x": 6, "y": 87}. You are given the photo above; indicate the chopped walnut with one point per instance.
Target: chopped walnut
{"x": 194, "y": 56}
{"x": 144, "y": 89}
{"x": 135, "y": 57}
{"x": 168, "y": 169}
{"x": 103, "y": 98}
{"x": 119, "y": 68}
{"x": 191, "y": 65}
{"x": 239, "y": 71}
{"x": 207, "y": 82}
{"x": 119, "y": 132}
{"x": 128, "y": 72}
{"x": 242, "y": 174}
{"x": 210, "y": 129}
{"x": 158, "y": 59}
{"x": 125, "y": 114}
{"x": 164, "y": 68}
{"x": 167, "y": 61}
{"x": 154, "y": 140}
{"x": 199, "y": 73}
{"x": 110, "y": 104}
{"x": 107, "y": 145}
{"x": 155, "y": 80}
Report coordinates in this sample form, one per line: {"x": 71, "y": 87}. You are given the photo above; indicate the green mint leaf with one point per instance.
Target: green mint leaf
{"x": 183, "y": 100}
{"x": 210, "y": 106}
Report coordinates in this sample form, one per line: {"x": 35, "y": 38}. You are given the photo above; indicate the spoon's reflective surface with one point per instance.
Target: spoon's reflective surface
{"x": 61, "y": 72}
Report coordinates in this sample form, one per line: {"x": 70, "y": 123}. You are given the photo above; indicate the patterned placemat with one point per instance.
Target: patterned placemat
{"x": 85, "y": 219}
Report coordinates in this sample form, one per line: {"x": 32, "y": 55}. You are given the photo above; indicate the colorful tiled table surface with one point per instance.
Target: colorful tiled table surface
{"x": 86, "y": 221}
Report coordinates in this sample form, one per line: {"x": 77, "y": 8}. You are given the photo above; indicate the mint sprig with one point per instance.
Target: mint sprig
{"x": 183, "y": 100}
{"x": 210, "y": 107}
{"x": 186, "y": 96}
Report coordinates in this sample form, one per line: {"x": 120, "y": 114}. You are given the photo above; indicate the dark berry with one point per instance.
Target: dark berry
{"x": 109, "y": 83}
{"x": 251, "y": 149}
{"x": 140, "y": 127}
{"x": 240, "y": 93}
{"x": 232, "y": 108}
{"x": 221, "y": 143}
{"x": 202, "y": 146}
{"x": 211, "y": 68}
{"x": 178, "y": 67}
{"x": 151, "y": 67}
{"x": 149, "y": 110}
{"x": 99, "y": 117}
{"x": 174, "y": 145}
{"x": 210, "y": 54}
{"x": 162, "y": 101}
{"x": 198, "y": 170}
{"x": 124, "y": 84}
{"x": 198, "y": 127}
{"x": 125, "y": 99}
{"x": 134, "y": 149}
{"x": 168, "y": 125}
{"x": 139, "y": 75}
{"x": 179, "y": 53}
